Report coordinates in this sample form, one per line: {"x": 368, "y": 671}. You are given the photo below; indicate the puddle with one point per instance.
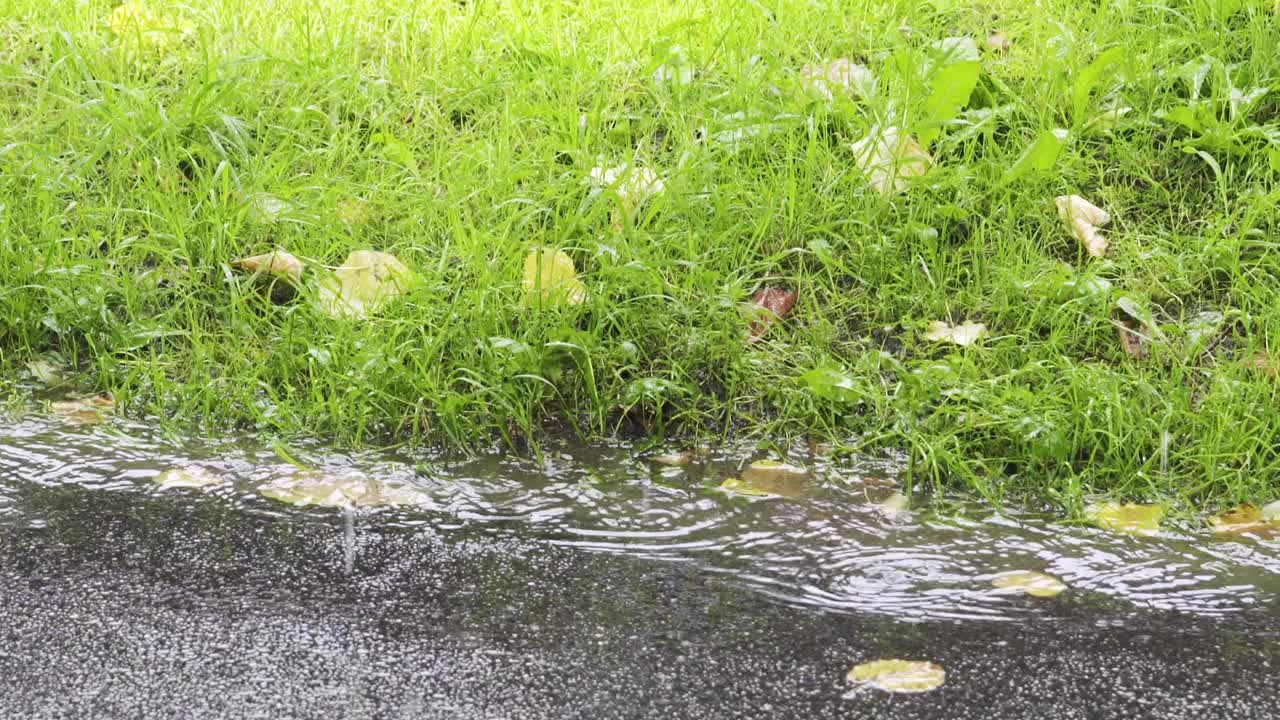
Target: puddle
{"x": 830, "y": 546}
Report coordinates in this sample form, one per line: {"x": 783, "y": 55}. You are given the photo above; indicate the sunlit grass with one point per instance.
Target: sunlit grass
{"x": 460, "y": 135}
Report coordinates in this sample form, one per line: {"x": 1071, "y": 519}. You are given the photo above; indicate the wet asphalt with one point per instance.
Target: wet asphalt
{"x": 116, "y": 605}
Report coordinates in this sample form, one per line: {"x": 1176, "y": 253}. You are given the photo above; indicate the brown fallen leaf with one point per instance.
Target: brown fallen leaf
{"x": 776, "y": 303}
{"x": 1261, "y": 362}
{"x": 1133, "y": 338}
{"x": 86, "y": 410}
{"x": 278, "y": 263}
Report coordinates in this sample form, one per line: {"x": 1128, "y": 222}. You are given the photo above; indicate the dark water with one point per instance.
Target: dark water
{"x": 593, "y": 584}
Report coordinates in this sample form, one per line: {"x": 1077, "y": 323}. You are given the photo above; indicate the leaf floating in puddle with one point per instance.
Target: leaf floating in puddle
{"x": 352, "y": 490}
{"x": 1083, "y": 219}
{"x": 772, "y": 469}
{"x": 192, "y": 476}
{"x": 966, "y": 334}
{"x": 550, "y": 277}
{"x": 1128, "y": 518}
{"x": 86, "y": 410}
{"x": 674, "y": 459}
{"x": 739, "y": 486}
{"x": 279, "y": 263}
{"x": 364, "y": 283}
{"x": 1248, "y": 520}
{"x": 1030, "y": 582}
{"x": 899, "y": 676}
{"x": 894, "y": 507}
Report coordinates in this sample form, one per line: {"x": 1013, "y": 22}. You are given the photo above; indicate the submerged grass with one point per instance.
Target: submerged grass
{"x": 458, "y": 135}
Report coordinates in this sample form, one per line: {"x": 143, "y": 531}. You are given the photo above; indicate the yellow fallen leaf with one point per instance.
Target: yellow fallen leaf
{"x": 895, "y": 506}
{"x": 1030, "y": 582}
{"x": 549, "y": 276}
{"x": 841, "y": 74}
{"x": 1245, "y": 520}
{"x": 363, "y": 284}
{"x": 1083, "y": 219}
{"x": 965, "y": 334}
{"x": 680, "y": 458}
{"x": 1128, "y": 518}
{"x": 891, "y": 159}
{"x": 899, "y": 676}
{"x": 279, "y": 263}
{"x": 138, "y": 28}
{"x": 741, "y": 487}
{"x": 1271, "y": 512}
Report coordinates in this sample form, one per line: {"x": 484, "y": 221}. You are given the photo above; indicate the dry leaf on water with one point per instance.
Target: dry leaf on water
{"x": 550, "y": 279}
{"x": 191, "y": 476}
{"x": 1248, "y": 520}
{"x": 1128, "y": 518}
{"x": 900, "y": 676}
{"x": 1083, "y": 219}
{"x": 1030, "y": 582}
{"x": 965, "y": 334}
{"x": 86, "y": 410}
{"x": 278, "y": 263}
{"x": 363, "y": 285}
{"x": 841, "y": 74}
{"x": 349, "y": 490}
{"x": 771, "y": 305}
{"x": 891, "y": 159}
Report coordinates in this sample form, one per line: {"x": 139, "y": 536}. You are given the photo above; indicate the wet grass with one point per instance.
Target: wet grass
{"x": 459, "y": 135}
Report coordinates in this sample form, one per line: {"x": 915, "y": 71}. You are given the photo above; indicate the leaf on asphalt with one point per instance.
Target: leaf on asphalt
{"x": 1128, "y": 518}
{"x": 899, "y": 676}
{"x": 347, "y": 490}
{"x": 770, "y": 306}
{"x": 891, "y": 159}
{"x": 965, "y": 334}
{"x": 1083, "y": 219}
{"x": 550, "y": 279}
{"x": 841, "y": 75}
{"x": 363, "y": 284}
{"x": 191, "y": 476}
{"x": 278, "y": 263}
{"x": 1030, "y": 582}
{"x": 86, "y": 410}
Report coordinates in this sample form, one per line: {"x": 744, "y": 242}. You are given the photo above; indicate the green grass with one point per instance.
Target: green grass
{"x": 127, "y": 180}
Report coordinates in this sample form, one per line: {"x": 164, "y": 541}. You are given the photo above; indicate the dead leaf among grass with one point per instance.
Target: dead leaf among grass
{"x": 1083, "y": 219}
{"x": 773, "y": 304}
{"x": 966, "y": 334}
{"x": 1133, "y": 338}
{"x": 278, "y": 263}
{"x": 891, "y": 159}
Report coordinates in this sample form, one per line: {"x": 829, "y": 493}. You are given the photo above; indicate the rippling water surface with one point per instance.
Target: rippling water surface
{"x": 832, "y": 546}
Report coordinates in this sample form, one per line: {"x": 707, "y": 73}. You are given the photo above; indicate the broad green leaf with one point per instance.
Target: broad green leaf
{"x": 46, "y": 372}
{"x": 363, "y": 285}
{"x": 550, "y": 279}
{"x": 831, "y": 384}
{"x": 949, "y": 92}
{"x": 1030, "y": 582}
{"x": 1088, "y": 79}
{"x": 1128, "y": 518}
{"x": 395, "y": 150}
{"x": 899, "y": 676}
{"x": 191, "y": 476}
{"x": 1040, "y": 156}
